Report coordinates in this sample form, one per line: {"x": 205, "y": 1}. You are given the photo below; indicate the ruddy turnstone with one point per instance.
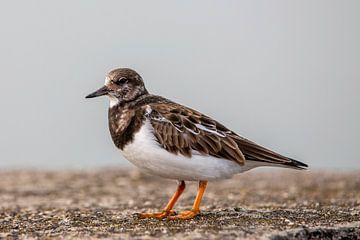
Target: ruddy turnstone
{"x": 167, "y": 139}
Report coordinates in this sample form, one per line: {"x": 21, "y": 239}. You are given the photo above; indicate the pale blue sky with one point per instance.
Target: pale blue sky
{"x": 282, "y": 73}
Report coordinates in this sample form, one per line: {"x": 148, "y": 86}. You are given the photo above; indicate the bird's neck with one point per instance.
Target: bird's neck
{"x": 123, "y": 102}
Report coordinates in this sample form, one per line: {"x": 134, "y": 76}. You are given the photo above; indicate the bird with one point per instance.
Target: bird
{"x": 167, "y": 139}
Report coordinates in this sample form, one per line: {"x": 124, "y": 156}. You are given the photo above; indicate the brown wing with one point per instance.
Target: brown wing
{"x": 180, "y": 130}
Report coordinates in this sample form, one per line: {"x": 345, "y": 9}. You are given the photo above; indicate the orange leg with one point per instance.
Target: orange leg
{"x": 196, "y": 207}
{"x": 168, "y": 209}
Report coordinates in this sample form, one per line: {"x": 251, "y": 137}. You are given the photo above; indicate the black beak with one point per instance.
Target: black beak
{"x": 100, "y": 92}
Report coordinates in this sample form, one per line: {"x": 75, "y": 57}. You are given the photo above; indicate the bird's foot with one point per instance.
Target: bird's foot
{"x": 185, "y": 215}
{"x": 157, "y": 215}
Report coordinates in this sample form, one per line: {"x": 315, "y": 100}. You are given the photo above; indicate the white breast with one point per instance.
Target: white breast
{"x": 145, "y": 153}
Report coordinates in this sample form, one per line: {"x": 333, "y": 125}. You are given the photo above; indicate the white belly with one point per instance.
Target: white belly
{"x": 145, "y": 153}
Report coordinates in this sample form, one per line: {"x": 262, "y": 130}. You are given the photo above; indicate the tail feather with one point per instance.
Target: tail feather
{"x": 257, "y": 153}
{"x": 290, "y": 163}
{"x": 296, "y": 164}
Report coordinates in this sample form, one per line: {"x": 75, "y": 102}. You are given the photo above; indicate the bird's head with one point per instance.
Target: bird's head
{"x": 121, "y": 85}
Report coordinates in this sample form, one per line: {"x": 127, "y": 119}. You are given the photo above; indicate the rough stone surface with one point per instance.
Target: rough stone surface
{"x": 279, "y": 204}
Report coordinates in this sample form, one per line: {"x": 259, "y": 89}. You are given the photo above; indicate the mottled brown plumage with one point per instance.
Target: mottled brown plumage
{"x": 180, "y": 130}
{"x": 123, "y": 124}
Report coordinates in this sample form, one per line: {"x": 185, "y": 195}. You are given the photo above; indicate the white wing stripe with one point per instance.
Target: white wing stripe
{"x": 160, "y": 118}
{"x": 202, "y": 127}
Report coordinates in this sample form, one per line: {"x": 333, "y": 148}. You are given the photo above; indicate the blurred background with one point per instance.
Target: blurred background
{"x": 285, "y": 74}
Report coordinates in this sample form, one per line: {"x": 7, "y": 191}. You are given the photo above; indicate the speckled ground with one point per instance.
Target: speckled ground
{"x": 277, "y": 204}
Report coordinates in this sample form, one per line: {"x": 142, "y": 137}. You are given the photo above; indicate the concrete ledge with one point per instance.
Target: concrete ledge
{"x": 103, "y": 204}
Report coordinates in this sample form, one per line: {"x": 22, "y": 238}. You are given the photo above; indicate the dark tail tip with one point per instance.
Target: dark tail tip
{"x": 296, "y": 164}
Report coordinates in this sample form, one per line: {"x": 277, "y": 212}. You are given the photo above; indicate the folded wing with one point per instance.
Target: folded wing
{"x": 181, "y": 130}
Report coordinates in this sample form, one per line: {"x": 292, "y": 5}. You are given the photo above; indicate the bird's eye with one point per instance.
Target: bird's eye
{"x": 121, "y": 81}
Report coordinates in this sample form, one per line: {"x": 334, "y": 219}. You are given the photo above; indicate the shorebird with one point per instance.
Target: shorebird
{"x": 169, "y": 140}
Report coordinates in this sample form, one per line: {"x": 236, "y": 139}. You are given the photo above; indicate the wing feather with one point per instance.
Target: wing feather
{"x": 180, "y": 130}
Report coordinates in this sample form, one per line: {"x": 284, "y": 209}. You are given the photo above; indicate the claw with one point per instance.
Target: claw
{"x": 186, "y": 215}
{"x": 157, "y": 215}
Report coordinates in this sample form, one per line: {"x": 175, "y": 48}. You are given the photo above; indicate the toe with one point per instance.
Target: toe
{"x": 186, "y": 215}
{"x": 157, "y": 215}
